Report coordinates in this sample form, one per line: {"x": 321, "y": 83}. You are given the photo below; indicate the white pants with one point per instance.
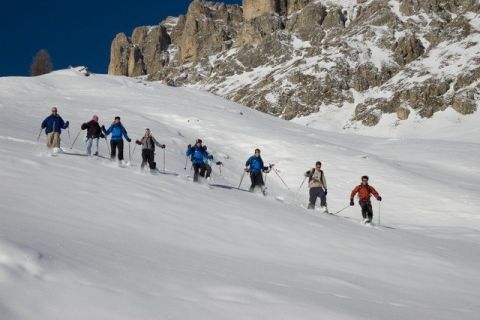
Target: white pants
{"x": 90, "y": 142}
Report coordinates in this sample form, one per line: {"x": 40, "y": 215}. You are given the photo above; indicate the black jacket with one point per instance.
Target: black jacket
{"x": 93, "y": 129}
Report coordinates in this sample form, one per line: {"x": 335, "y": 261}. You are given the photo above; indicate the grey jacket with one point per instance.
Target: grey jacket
{"x": 149, "y": 143}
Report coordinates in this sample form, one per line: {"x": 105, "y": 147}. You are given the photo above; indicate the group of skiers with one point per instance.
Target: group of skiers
{"x": 201, "y": 159}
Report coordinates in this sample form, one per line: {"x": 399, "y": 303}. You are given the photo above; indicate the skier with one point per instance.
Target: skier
{"x": 94, "y": 133}
{"x": 255, "y": 166}
{"x": 118, "y": 133}
{"x": 318, "y": 187}
{"x": 148, "y": 143}
{"x": 53, "y": 126}
{"x": 196, "y": 153}
{"x": 364, "y": 191}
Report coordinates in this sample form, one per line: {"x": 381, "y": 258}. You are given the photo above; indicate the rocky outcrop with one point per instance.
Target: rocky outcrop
{"x": 291, "y": 58}
{"x": 407, "y": 49}
{"x": 207, "y": 29}
{"x": 256, "y": 8}
{"x": 119, "y": 55}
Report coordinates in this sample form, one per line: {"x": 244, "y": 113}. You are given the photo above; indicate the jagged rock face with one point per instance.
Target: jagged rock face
{"x": 141, "y": 54}
{"x": 119, "y": 55}
{"x": 291, "y": 58}
{"x": 256, "y": 8}
{"x": 206, "y": 30}
{"x": 408, "y": 49}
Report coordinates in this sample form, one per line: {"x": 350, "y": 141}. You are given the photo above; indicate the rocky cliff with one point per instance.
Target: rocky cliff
{"x": 291, "y": 58}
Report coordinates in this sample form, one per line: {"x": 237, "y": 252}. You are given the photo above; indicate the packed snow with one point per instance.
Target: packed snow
{"x": 82, "y": 238}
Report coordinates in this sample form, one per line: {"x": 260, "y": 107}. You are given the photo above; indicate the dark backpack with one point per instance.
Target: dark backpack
{"x": 153, "y": 143}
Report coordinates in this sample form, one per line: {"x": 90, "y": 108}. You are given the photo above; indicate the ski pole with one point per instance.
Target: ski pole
{"x": 164, "y": 170}
{"x": 39, "y": 134}
{"x": 186, "y": 161}
{"x": 134, "y": 147}
{"x": 241, "y": 180}
{"x": 69, "y": 139}
{"x": 379, "y": 211}
{"x": 276, "y": 172}
{"x": 71, "y": 147}
{"x": 108, "y": 147}
{"x": 341, "y": 210}
{"x": 129, "y": 153}
{"x": 301, "y": 185}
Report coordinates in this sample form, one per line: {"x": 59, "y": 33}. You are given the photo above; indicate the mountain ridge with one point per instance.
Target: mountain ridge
{"x": 294, "y": 58}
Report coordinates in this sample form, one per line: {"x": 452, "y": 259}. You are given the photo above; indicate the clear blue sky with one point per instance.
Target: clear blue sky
{"x": 75, "y": 32}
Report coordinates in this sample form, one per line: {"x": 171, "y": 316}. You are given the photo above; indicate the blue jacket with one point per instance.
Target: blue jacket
{"x": 117, "y": 131}
{"x": 54, "y": 123}
{"x": 255, "y": 164}
{"x": 197, "y": 154}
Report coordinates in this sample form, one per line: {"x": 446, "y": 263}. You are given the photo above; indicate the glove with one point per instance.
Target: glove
{"x": 219, "y": 163}
{"x": 189, "y": 146}
{"x": 138, "y": 142}
{"x": 67, "y": 123}
{"x": 379, "y": 198}
{"x": 247, "y": 170}
{"x": 163, "y": 146}
{"x": 103, "y": 128}
{"x": 102, "y": 136}
{"x": 129, "y": 140}
{"x": 210, "y": 157}
{"x": 351, "y": 202}
{"x": 326, "y": 191}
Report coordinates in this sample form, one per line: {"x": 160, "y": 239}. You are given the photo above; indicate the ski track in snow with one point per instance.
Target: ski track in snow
{"x": 82, "y": 238}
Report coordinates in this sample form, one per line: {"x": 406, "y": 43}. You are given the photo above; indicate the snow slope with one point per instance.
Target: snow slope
{"x": 81, "y": 238}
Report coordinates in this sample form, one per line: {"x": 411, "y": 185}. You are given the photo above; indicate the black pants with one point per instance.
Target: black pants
{"x": 114, "y": 145}
{"x": 148, "y": 156}
{"x": 257, "y": 180}
{"x": 367, "y": 211}
{"x": 208, "y": 171}
{"x": 315, "y": 193}
{"x": 199, "y": 169}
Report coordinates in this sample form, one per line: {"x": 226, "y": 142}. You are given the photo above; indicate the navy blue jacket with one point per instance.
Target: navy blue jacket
{"x": 197, "y": 154}
{"x": 117, "y": 130}
{"x": 255, "y": 164}
{"x": 54, "y": 123}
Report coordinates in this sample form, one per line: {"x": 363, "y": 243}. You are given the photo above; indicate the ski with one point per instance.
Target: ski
{"x": 74, "y": 154}
{"x": 168, "y": 173}
{"x": 227, "y": 187}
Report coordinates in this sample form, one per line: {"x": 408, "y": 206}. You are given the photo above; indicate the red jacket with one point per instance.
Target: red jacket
{"x": 364, "y": 192}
